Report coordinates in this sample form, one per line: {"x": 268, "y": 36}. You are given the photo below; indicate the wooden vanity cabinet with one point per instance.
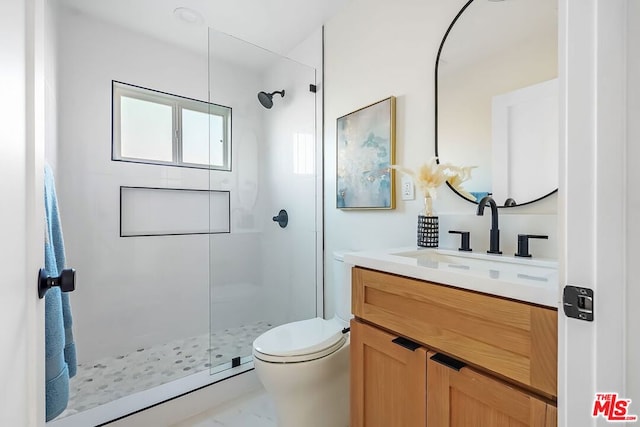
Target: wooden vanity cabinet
{"x": 388, "y": 381}
{"x": 466, "y": 397}
{"x": 508, "y": 351}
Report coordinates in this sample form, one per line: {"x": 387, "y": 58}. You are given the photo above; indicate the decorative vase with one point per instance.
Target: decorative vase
{"x": 428, "y": 228}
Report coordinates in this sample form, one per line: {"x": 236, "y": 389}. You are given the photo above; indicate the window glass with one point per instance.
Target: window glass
{"x": 146, "y": 130}
{"x": 216, "y": 131}
{"x": 202, "y": 138}
{"x": 159, "y": 128}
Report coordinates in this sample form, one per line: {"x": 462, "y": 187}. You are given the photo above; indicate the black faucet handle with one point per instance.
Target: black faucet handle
{"x": 523, "y": 243}
{"x": 464, "y": 241}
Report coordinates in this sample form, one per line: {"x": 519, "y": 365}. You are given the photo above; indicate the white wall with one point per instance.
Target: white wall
{"x": 51, "y": 88}
{"x": 374, "y": 49}
{"x": 633, "y": 204}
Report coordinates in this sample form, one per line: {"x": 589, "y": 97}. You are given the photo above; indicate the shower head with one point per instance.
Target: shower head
{"x": 266, "y": 99}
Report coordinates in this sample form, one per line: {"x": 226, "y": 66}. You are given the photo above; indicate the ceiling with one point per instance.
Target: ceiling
{"x": 276, "y": 25}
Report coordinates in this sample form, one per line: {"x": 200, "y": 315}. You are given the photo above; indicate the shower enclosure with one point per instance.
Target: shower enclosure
{"x": 264, "y": 272}
{"x": 169, "y": 173}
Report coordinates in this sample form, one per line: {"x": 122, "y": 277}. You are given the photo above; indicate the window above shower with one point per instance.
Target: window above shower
{"x": 159, "y": 128}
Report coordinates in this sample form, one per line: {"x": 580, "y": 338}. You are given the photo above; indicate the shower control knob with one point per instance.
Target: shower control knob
{"x": 66, "y": 281}
{"x": 282, "y": 219}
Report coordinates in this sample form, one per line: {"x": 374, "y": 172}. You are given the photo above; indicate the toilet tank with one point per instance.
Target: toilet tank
{"x": 342, "y": 286}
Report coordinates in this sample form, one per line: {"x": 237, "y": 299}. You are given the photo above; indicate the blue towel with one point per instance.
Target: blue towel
{"x": 479, "y": 194}
{"x": 60, "y": 349}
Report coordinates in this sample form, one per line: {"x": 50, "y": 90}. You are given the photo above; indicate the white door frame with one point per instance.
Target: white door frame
{"x": 22, "y": 214}
{"x": 592, "y": 228}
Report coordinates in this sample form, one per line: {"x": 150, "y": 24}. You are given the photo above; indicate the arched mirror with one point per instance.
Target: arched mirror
{"x": 497, "y": 99}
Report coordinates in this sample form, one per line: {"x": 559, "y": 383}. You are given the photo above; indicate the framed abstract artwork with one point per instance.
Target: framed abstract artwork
{"x": 365, "y": 153}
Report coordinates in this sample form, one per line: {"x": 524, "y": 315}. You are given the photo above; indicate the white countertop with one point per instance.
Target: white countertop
{"x": 523, "y": 279}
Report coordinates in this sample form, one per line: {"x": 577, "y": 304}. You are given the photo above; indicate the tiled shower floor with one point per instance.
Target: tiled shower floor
{"x": 111, "y": 378}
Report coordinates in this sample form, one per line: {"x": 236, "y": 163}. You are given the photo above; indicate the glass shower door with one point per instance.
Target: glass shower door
{"x": 263, "y": 272}
{"x": 134, "y": 213}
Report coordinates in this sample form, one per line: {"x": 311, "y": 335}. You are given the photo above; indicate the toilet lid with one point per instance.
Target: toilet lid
{"x": 303, "y": 338}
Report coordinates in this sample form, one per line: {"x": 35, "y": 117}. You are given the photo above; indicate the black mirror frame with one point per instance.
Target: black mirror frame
{"x": 444, "y": 39}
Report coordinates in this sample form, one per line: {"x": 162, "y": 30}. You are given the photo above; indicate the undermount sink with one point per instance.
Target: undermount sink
{"x": 523, "y": 279}
{"x": 492, "y": 266}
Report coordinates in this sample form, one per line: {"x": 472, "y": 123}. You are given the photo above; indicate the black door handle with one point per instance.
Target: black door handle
{"x": 66, "y": 281}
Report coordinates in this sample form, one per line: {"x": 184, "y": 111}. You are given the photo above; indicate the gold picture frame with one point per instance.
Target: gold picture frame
{"x": 366, "y": 142}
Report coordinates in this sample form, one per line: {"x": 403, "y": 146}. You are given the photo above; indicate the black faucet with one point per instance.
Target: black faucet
{"x": 494, "y": 236}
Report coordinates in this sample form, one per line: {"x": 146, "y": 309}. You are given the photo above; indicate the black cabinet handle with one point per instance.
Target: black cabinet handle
{"x": 464, "y": 241}
{"x": 447, "y": 361}
{"x": 66, "y": 281}
{"x": 408, "y": 344}
{"x": 523, "y": 244}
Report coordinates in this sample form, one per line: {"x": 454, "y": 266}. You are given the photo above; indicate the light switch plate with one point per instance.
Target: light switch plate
{"x": 408, "y": 191}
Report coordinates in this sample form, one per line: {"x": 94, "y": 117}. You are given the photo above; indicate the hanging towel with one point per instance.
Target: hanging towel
{"x": 60, "y": 349}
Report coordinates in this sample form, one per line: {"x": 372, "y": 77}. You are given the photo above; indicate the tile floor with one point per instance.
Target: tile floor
{"x": 108, "y": 379}
{"x": 253, "y": 410}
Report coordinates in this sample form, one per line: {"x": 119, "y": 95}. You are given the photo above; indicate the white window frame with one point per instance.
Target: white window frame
{"x": 177, "y": 103}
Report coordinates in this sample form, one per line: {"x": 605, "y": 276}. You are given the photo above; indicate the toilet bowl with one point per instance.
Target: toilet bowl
{"x": 304, "y": 365}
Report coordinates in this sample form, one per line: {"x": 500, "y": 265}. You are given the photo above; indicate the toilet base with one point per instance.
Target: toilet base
{"x": 309, "y": 394}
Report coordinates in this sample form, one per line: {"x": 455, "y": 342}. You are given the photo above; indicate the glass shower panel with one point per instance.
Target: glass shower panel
{"x": 262, "y": 275}
{"x": 137, "y": 234}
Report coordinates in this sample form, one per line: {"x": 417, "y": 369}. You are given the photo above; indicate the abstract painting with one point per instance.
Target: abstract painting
{"x": 365, "y": 153}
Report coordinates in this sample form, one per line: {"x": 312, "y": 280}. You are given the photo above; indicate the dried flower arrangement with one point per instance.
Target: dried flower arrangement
{"x": 432, "y": 175}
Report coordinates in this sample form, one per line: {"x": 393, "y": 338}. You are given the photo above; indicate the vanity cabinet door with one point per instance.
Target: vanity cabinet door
{"x": 468, "y": 398}
{"x": 388, "y": 381}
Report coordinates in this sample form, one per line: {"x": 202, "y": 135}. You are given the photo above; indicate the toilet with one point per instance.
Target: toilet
{"x": 304, "y": 366}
